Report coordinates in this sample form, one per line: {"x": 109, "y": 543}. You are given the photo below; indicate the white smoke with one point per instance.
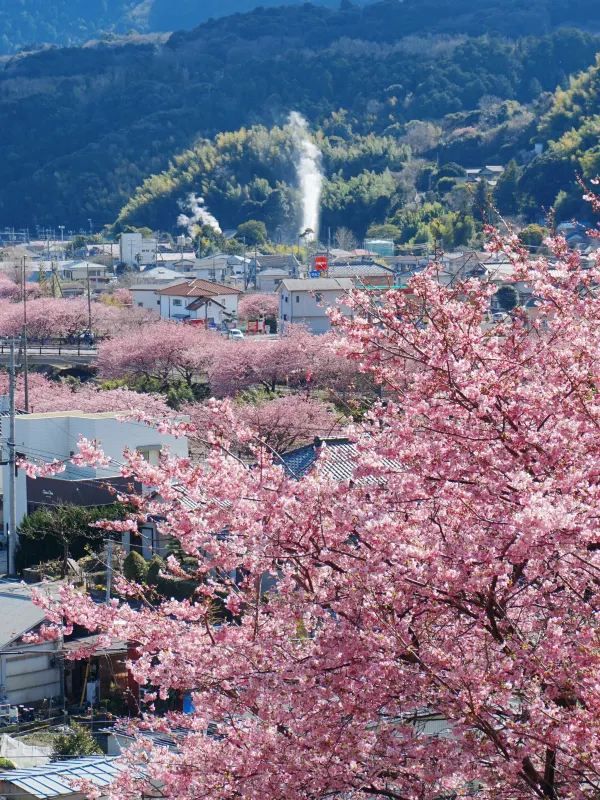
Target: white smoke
{"x": 197, "y": 214}
{"x": 310, "y": 173}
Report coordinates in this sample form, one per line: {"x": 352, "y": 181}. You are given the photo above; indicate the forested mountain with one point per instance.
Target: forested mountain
{"x": 27, "y": 23}
{"x": 81, "y": 128}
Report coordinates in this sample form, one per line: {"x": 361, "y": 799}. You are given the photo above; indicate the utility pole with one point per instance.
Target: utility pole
{"x": 89, "y": 298}
{"x": 25, "y": 354}
{"x": 12, "y": 483}
{"x": 109, "y": 568}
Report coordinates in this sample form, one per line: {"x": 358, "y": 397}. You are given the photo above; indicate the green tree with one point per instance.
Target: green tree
{"x": 482, "y": 203}
{"x": 77, "y": 742}
{"x": 385, "y": 231}
{"x": 62, "y": 532}
{"x": 6, "y": 764}
{"x": 254, "y": 232}
{"x": 533, "y": 235}
{"x": 506, "y": 191}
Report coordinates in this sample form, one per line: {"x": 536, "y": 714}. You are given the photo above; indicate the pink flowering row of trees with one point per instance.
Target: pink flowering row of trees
{"x": 54, "y": 318}
{"x": 162, "y": 350}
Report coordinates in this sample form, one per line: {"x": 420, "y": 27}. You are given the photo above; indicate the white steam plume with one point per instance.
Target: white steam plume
{"x": 198, "y": 215}
{"x": 310, "y": 173}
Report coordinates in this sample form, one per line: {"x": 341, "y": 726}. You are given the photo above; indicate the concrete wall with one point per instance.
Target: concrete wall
{"x": 150, "y": 300}
{"x": 32, "y": 677}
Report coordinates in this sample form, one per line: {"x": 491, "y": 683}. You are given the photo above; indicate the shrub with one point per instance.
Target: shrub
{"x": 135, "y": 568}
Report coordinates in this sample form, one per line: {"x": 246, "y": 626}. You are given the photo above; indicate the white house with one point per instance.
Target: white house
{"x": 136, "y": 251}
{"x": 203, "y": 302}
{"x": 54, "y": 436}
{"x": 306, "y": 302}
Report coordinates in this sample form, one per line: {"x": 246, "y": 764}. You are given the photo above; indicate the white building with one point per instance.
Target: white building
{"x": 136, "y": 251}
{"x": 54, "y": 436}
{"x": 306, "y": 302}
{"x": 203, "y": 302}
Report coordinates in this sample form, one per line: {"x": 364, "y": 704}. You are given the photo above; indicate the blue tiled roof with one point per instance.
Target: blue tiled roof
{"x": 340, "y": 464}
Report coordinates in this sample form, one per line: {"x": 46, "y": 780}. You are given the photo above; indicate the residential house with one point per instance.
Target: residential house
{"x": 97, "y": 274}
{"x": 221, "y": 266}
{"x": 54, "y": 436}
{"x": 306, "y": 302}
{"x": 182, "y": 262}
{"x": 288, "y": 263}
{"x": 267, "y": 280}
{"x": 489, "y": 173}
{"x": 57, "y": 780}
{"x": 367, "y": 276}
{"x": 213, "y": 305}
{"x": 30, "y": 674}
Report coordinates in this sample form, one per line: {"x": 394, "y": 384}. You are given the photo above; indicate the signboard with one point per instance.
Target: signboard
{"x": 321, "y": 263}
{"x": 314, "y": 273}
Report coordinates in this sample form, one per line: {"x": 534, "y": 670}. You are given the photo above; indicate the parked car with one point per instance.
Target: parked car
{"x": 235, "y": 333}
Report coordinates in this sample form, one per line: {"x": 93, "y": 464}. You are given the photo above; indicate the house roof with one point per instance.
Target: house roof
{"x": 18, "y": 614}
{"x": 275, "y": 261}
{"x": 56, "y": 779}
{"x": 162, "y": 274}
{"x": 272, "y": 272}
{"x": 360, "y": 271}
{"x": 340, "y": 463}
{"x": 317, "y": 284}
{"x": 198, "y": 288}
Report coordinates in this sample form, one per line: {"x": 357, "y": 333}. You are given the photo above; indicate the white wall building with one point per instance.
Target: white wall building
{"x": 54, "y": 436}
{"x": 306, "y": 302}
{"x": 213, "y": 305}
{"x": 136, "y": 251}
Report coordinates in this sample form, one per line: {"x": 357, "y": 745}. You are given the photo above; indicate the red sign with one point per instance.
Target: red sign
{"x": 321, "y": 263}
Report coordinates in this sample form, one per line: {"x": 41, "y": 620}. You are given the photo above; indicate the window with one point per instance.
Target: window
{"x": 297, "y": 298}
{"x": 177, "y": 301}
{"x": 285, "y": 298}
{"x": 285, "y": 317}
{"x": 150, "y": 453}
{"x": 140, "y": 305}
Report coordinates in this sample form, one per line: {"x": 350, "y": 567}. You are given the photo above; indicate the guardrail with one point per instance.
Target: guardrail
{"x": 54, "y": 347}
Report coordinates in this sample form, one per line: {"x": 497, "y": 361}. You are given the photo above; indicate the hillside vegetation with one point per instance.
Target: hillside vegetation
{"x": 82, "y": 128}
{"x": 70, "y": 22}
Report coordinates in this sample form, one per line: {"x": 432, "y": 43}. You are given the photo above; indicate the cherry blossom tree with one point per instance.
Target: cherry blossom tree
{"x": 281, "y": 423}
{"x": 159, "y": 350}
{"x": 258, "y": 306}
{"x": 297, "y": 359}
{"x": 455, "y": 577}
{"x": 46, "y": 395}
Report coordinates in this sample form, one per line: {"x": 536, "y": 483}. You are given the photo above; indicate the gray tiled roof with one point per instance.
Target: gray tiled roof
{"x": 56, "y": 780}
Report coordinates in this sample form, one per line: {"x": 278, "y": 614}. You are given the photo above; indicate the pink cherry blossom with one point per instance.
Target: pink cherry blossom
{"x": 451, "y": 586}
